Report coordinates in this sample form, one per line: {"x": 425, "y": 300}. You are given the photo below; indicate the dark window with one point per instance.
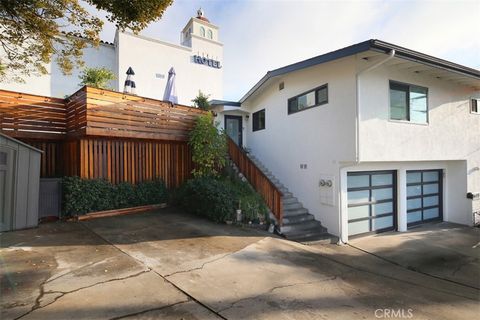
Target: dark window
{"x": 259, "y": 120}
{"x": 281, "y": 86}
{"x": 307, "y": 100}
{"x": 408, "y": 102}
{"x": 474, "y": 106}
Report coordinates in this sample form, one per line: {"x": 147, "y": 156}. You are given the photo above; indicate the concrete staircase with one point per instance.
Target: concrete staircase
{"x": 298, "y": 224}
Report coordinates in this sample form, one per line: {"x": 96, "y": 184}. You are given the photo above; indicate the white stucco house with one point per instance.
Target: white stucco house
{"x": 197, "y": 60}
{"x": 368, "y": 138}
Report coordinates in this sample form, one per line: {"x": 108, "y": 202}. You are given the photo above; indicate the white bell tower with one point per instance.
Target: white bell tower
{"x": 200, "y": 27}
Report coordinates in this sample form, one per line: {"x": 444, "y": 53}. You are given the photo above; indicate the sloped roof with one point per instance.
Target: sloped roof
{"x": 372, "y": 44}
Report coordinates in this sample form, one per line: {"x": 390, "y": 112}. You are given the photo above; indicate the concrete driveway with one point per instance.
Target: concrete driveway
{"x": 170, "y": 265}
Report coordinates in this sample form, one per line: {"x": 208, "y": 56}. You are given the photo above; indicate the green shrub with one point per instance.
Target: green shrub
{"x": 210, "y": 197}
{"x": 82, "y": 196}
{"x": 218, "y": 199}
{"x": 201, "y": 101}
{"x": 96, "y": 77}
{"x": 209, "y": 147}
{"x": 249, "y": 201}
{"x": 150, "y": 192}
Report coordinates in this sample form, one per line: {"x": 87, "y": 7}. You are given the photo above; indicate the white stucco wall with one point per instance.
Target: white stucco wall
{"x": 56, "y": 84}
{"x": 320, "y": 137}
{"x": 452, "y": 132}
{"x": 149, "y": 57}
{"x": 324, "y": 138}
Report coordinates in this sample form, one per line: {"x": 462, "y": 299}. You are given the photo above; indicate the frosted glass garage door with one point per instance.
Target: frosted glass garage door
{"x": 424, "y": 196}
{"x": 371, "y": 201}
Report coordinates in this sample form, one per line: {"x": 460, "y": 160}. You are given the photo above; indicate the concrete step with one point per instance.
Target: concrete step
{"x": 305, "y": 225}
{"x": 294, "y": 212}
{"x": 287, "y": 200}
{"x": 292, "y": 206}
{"x": 301, "y": 234}
{"x": 322, "y": 238}
{"x": 298, "y": 218}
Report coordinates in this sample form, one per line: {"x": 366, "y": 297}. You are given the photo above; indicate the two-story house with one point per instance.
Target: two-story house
{"x": 368, "y": 138}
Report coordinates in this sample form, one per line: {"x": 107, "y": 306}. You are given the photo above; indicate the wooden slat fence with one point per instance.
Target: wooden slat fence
{"x": 261, "y": 183}
{"x": 98, "y": 133}
{"x": 135, "y": 161}
{"x": 113, "y": 114}
{"x": 31, "y": 116}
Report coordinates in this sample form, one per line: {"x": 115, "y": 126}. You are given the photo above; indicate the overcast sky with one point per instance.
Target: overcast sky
{"x": 262, "y": 35}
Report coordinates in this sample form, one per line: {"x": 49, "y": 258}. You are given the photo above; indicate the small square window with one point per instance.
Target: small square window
{"x": 281, "y": 85}
{"x": 259, "y": 120}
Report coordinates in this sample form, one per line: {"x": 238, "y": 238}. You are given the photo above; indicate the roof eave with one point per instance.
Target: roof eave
{"x": 372, "y": 44}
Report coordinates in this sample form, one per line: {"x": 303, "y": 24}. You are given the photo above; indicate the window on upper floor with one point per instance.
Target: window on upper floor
{"x": 210, "y": 34}
{"x": 202, "y": 31}
{"x": 309, "y": 99}
{"x": 408, "y": 102}
{"x": 258, "y": 120}
{"x": 475, "y": 106}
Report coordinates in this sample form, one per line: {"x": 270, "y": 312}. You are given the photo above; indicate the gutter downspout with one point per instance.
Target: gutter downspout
{"x": 391, "y": 55}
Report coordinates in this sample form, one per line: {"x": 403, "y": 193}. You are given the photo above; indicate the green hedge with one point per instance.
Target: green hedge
{"x": 218, "y": 199}
{"x": 82, "y": 196}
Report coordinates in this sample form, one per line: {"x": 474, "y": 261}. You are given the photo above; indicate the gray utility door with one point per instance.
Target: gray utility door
{"x": 424, "y": 196}
{"x": 7, "y": 167}
{"x": 372, "y": 201}
{"x": 233, "y": 127}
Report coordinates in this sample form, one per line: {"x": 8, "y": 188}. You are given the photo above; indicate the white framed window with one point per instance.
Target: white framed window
{"x": 202, "y": 31}
{"x": 408, "y": 102}
{"x": 309, "y": 99}
{"x": 475, "y": 106}
{"x": 210, "y": 34}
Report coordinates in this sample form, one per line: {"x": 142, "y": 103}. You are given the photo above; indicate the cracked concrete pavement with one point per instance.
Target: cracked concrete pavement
{"x": 170, "y": 265}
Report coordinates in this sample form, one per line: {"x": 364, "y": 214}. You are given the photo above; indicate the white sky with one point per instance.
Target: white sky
{"x": 264, "y": 35}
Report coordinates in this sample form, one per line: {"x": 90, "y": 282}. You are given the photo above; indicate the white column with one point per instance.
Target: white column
{"x": 343, "y": 206}
{"x": 402, "y": 199}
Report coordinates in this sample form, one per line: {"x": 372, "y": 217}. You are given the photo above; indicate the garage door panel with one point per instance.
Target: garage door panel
{"x": 431, "y": 213}
{"x": 358, "y": 212}
{"x": 414, "y": 216}
{"x": 430, "y": 176}
{"x": 414, "y": 191}
{"x": 414, "y": 203}
{"x": 424, "y": 196}
{"x": 371, "y": 201}
{"x": 358, "y": 227}
{"x": 414, "y": 177}
{"x": 382, "y": 179}
{"x": 382, "y": 223}
{"x": 430, "y": 188}
{"x": 382, "y": 208}
{"x": 382, "y": 194}
{"x": 358, "y": 181}
{"x": 361, "y": 196}
{"x": 430, "y": 201}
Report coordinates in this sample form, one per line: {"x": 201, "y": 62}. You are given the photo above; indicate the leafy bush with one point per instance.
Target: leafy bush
{"x": 81, "y": 196}
{"x": 201, "y": 101}
{"x": 210, "y": 197}
{"x": 218, "y": 198}
{"x": 96, "y": 77}
{"x": 150, "y": 192}
{"x": 249, "y": 201}
{"x": 209, "y": 147}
